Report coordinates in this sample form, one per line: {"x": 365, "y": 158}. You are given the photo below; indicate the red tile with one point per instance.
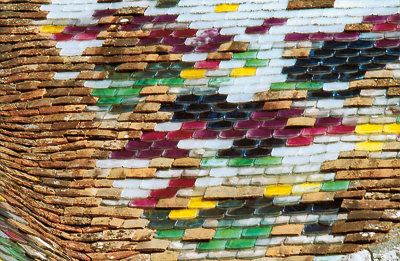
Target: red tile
{"x": 205, "y": 134}
{"x": 195, "y": 125}
{"x": 185, "y": 33}
{"x": 61, "y": 37}
{"x": 310, "y": 132}
{"x": 207, "y": 65}
{"x": 299, "y": 141}
{"x": 232, "y": 134}
{"x": 383, "y": 27}
{"x": 181, "y": 183}
{"x": 153, "y": 136}
{"x": 179, "y": 135}
{"x": 160, "y": 33}
{"x": 162, "y": 193}
{"x": 143, "y": 203}
{"x": 341, "y": 129}
{"x": 259, "y": 134}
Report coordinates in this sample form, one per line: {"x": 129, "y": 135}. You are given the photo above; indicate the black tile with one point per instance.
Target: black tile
{"x": 167, "y": 74}
{"x": 320, "y": 54}
{"x": 220, "y": 125}
{"x": 230, "y": 153}
{"x": 198, "y": 108}
{"x": 187, "y": 99}
{"x": 372, "y": 52}
{"x": 237, "y": 115}
{"x": 161, "y": 224}
{"x": 299, "y": 209}
{"x": 172, "y": 107}
{"x": 183, "y": 116}
{"x": 299, "y": 78}
{"x": 371, "y": 66}
{"x": 385, "y": 59}
{"x": 351, "y": 76}
{"x": 211, "y": 116}
{"x": 312, "y": 229}
{"x": 334, "y": 61}
{"x": 257, "y": 153}
{"x": 393, "y": 51}
{"x": 361, "y": 44}
{"x": 259, "y": 202}
{"x": 347, "y": 53}
{"x": 307, "y": 62}
{"x": 155, "y": 214}
{"x": 294, "y": 70}
{"x": 325, "y": 208}
{"x": 211, "y": 213}
{"x": 240, "y": 212}
{"x": 272, "y": 143}
{"x": 317, "y": 70}
{"x": 268, "y": 211}
{"x": 216, "y": 98}
{"x": 333, "y": 77}
{"x": 245, "y": 144}
{"x": 189, "y": 223}
{"x": 346, "y": 69}
{"x": 332, "y": 45}
{"x": 346, "y": 94}
{"x": 251, "y": 106}
{"x": 230, "y": 204}
{"x": 359, "y": 60}
{"x": 224, "y": 107}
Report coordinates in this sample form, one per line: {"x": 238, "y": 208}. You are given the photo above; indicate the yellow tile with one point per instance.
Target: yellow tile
{"x": 306, "y": 188}
{"x": 391, "y": 128}
{"x": 51, "y": 29}
{"x": 2, "y": 199}
{"x": 278, "y": 190}
{"x": 242, "y": 72}
{"x": 200, "y": 203}
{"x": 193, "y": 74}
{"x": 183, "y": 213}
{"x": 369, "y": 146}
{"x": 226, "y": 8}
{"x": 369, "y": 128}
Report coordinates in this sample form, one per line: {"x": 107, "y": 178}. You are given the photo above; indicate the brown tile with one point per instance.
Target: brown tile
{"x": 300, "y": 121}
{"x": 233, "y": 47}
{"x": 290, "y": 229}
{"x": 152, "y": 90}
{"x": 364, "y": 215}
{"x": 363, "y": 237}
{"x": 112, "y": 255}
{"x": 186, "y": 163}
{"x": 219, "y": 192}
{"x": 369, "y": 204}
{"x": 358, "y": 27}
{"x": 363, "y": 184}
{"x": 318, "y": 197}
{"x": 277, "y": 105}
{"x": 357, "y": 194}
{"x": 135, "y": 223}
{"x": 141, "y": 173}
{"x": 147, "y": 107}
{"x": 296, "y": 53}
{"x": 198, "y": 234}
{"x": 171, "y": 203}
{"x": 116, "y": 222}
{"x": 284, "y": 250}
{"x": 366, "y": 174}
{"x": 309, "y": 4}
{"x": 161, "y": 98}
{"x": 249, "y": 192}
{"x": 167, "y": 255}
{"x": 131, "y": 67}
{"x": 109, "y": 193}
{"x": 153, "y": 245}
{"x": 358, "y": 102}
{"x": 348, "y": 227}
{"x": 161, "y": 163}
{"x": 378, "y": 226}
{"x": 334, "y": 165}
{"x": 280, "y": 95}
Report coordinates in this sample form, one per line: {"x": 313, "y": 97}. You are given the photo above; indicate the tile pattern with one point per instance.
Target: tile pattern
{"x": 185, "y": 130}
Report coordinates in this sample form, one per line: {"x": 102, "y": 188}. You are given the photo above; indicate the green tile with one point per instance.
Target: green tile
{"x": 257, "y": 232}
{"x": 257, "y": 63}
{"x": 169, "y": 234}
{"x": 241, "y": 243}
{"x": 212, "y": 245}
{"x": 166, "y": 3}
{"x": 398, "y": 120}
{"x": 268, "y": 161}
{"x": 240, "y": 162}
{"x": 150, "y": 82}
{"x": 282, "y": 86}
{"x": 214, "y": 162}
{"x": 335, "y": 185}
{"x": 172, "y": 81}
{"x": 128, "y": 92}
{"x": 157, "y": 66}
{"x": 223, "y": 81}
{"x": 104, "y": 92}
{"x": 227, "y": 233}
{"x": 115, "y": 75}
{"x": 309, "y": 85}
{"x": 244, "y": 56}
{"x": 113, "y": 100}
{"x": 122, "y": 84}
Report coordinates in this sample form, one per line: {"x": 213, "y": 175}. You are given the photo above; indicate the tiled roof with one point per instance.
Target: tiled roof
{"x": 198, "y": 130}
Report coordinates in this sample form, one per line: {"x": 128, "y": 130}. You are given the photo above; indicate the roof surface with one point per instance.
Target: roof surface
{"x": 198, "y": 130}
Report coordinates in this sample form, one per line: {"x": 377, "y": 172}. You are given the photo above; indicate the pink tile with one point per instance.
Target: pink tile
{"x": 207, "y": 65}
{"x": 181, "y": 183}
{"x": 259, "y": 134}
{"x": 153, "y": 136}
{"x": 374, "y": 19}
{"x": 321, "y": 37}
{"x": 384, "y": 27}
{"x": 287, "y": 133}
{"x": 185, "y": 33}
{"x": 246, "y": 125}
{"x": 296, "y": 37}
{"x": 143, "y": 203}
{"x": 195, "y": 125}
{"x": 85, "y": 36}
{"x": 162, "y": 193}
{"x": 341, "y": 129}
{"x": 394, "y": 18}
{"x": 310, "y": 132}
{"x": 179, "y": 135}
{"x": 205, "y": 134}
{"x": 232, "y": 134}
{"x": 274, "y": 21}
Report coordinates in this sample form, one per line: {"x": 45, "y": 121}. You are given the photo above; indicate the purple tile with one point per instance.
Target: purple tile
{"x": 299, "y": 141}
{"x": 219, "y": 39}
{"x": 394, "y": 18}
{"x": 321, "y": 37}
{"x": 311, "y": 132}
{"x": 130, "y": 27}
{"x": 61, "y": 37}
{"x": 165, "y": 19}
{"x": 385, "y": 43}
{"x": 137, "y": 145}
{"x": 175, "y": 153}
{"x": 153, "y": 136}
{"x": 205, "y": 134}
{"x": 346, "y": 37}
{"x": 142, "y": 19}
{"x": 274, "y": 21}
{"x": 182, "y": 49}
{"x": 290, "y": 113}
{"x": 384, "y": 27}
{"x": 195, "y": 125}
{"x": 196, "y": 41}
{"x": 207, "y": 65}
{"x": 207, "y": 48}
{"x": 296, "y": 37}
{"x": 148, "y": 153}
{"x": 74, "y": 29}
{"x": 149, "y": 41}
{"x": 143, "y": 203}
{"x": 259, "y": 134}
{"x": 163, "y": 193}
{"x": 96, "y": 28}
{"x": 287, "y": 133}
{"x": 208, "y": 32}
{"x": 232, "y": 134}
{"x": 263, "y": 115}
{"x": 179, "y": 135}
{"x": 173, "y": 41}
{"x": 122, "y": 154}
{"x": 327, "y": 121}
{"x": 341, "y": 129}
{"x": 257, "y": 30}
{"x": 102, "y": 13}
{"x": 374, "y": 19}
{"x": 274, "y": 124}
{"x": 246, "y": 125}
{"x": 85, "y": 36}
{"x": 185, "y": 33}
{"x": 164, "y": 144}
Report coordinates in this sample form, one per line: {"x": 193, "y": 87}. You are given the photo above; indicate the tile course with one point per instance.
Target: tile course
{"x": 210, "y": 130}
